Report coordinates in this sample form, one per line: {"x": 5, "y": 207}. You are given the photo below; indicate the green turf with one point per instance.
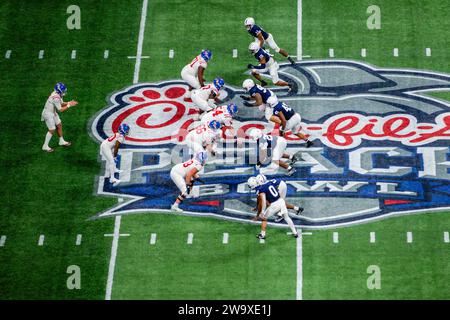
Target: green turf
{"x": 52, "y": 194}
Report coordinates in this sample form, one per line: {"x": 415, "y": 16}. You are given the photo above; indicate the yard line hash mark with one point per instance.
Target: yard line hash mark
{"x": 41, "y": 240}
{"x": 190, "y": 238}
{"x": 2, "y": 241}
{"x": 235, "y": 53}
{"x": 41, "y": 54}
{"x": 225, "y": 238}
{"x": 106, "y": 54}
{"x": 428, "y": 52}
{"x": 395, "y": 52}
{"x": 299, "y": 250}
{"x": 331, "y": 52}
{"x": 8, "y": 54}
{"x": 335, "y": 237}
{"x": 153, "y": 238}
{"x": 73, "y": 54}
{"x": 78, "y": 241}
{"x": 171, "y": 54}
{"x": 363, "y": 52}
{"x": 372, "y": 237}
{"x": 446, "y": 237}
{"x": 409, "y": 237}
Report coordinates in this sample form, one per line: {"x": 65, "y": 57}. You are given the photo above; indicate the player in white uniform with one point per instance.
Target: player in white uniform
{"x": 203, "y": 97}
{"x": 222, "y": 114}
{"x": 50, "y": 115}
{"x": 203, "y": 137}
{"x": 184, "y": 175}
{"x": 109, "y": 149}
{"x": 278, "y": 146}
{"x": 192, "y": 73}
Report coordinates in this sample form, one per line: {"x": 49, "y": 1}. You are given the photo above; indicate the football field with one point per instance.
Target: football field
{"x": 58, "y": 213}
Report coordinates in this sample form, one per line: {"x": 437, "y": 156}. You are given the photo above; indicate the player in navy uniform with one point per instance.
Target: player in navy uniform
{"x": 263, "y": 37}
{"x": 278, "y": 146}
{"x": 266, "y": 63}
{"x": 290, "y": 120}
{"x": 269, "y": 202}
{"x": 260, "y": 96}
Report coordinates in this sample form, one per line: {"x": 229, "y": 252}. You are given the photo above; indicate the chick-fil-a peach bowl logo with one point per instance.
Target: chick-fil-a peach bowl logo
{"x": 381, "y": 146}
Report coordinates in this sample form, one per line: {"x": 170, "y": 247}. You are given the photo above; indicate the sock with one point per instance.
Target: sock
{"x": 263, "y": 233}
{"x": 290, "y": 223}
{"x": 48, "y": 137}
{"x": 61, "y": 140}
{"x": 296, "y": 208}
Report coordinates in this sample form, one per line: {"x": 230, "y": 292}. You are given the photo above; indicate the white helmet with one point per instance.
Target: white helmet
{"x": 255, "y": 134}
{"x": 253, "y": 47}
{"x": 261, "y": 179}
{"x": 249, "y": 22}
{"x": 272, "y": 100}
{"x": 248, "y": 84}
{"x": 252, "y": 183}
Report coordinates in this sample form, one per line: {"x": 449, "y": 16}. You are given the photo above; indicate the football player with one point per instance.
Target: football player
{"x": 50, "y": 115}
{"x": 290, "y": 120}
{"x": 278, "y": 146}
{"x": 184, "y": 175}
{"x": 192, "y": 73}
{"x": 282, "y": 189}
{"x": 266, "y": 63}
{"x": 109, "y": 149}
{"x": 269, "y": 202}
{"x": 203, "y": 97}
{"x": 263, "y": 37}
{"x": 260, "y": 96}
{"x": 222, "y": 114}
{"x": 203, "y": 138}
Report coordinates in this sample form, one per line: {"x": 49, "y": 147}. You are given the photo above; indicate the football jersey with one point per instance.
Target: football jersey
{"x": 270, "y": 189}
{"x": 255, "y": 30}
{"x": 285, "y": 109}
{"x": 203, "y": 135}
{"x": 111, "y": 141}
{"x": 197, "y": 62}
{"x": 262, "y": 54}
{"x": 53, "y": 103}
{"x": 185, "y": 167}
{"x": 267, "y": 141}
{"x": 265, "y": 93}
{"x": 220, "y": 114}
{"x": 205, "y": 92}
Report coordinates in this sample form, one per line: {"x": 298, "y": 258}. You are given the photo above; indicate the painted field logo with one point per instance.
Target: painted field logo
{"x": 381, "y": 146}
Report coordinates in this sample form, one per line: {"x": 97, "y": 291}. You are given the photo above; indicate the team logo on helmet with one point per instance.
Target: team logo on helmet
{"x": 381, "y": 146}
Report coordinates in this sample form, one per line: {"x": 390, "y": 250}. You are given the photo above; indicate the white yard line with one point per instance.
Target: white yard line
{"x": 190, "y": 238}
{"x": 112, "y": 261}
{"x": 372, "y": 237}
{"x": 137, "y": 66}
{"x": 225, "y": 238}
{"x": 41, "y": 240}
{"x": 409, "y": 237}
{"x": 446, "y": 237}
{"x": 299, "y": 31}
{"x": 153, "y": 238}
{"x": 79, "y": 237}
{"x": 300, "y": 265}
{"x": 2, "y": 241}
{"x": 335, "y": 237}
